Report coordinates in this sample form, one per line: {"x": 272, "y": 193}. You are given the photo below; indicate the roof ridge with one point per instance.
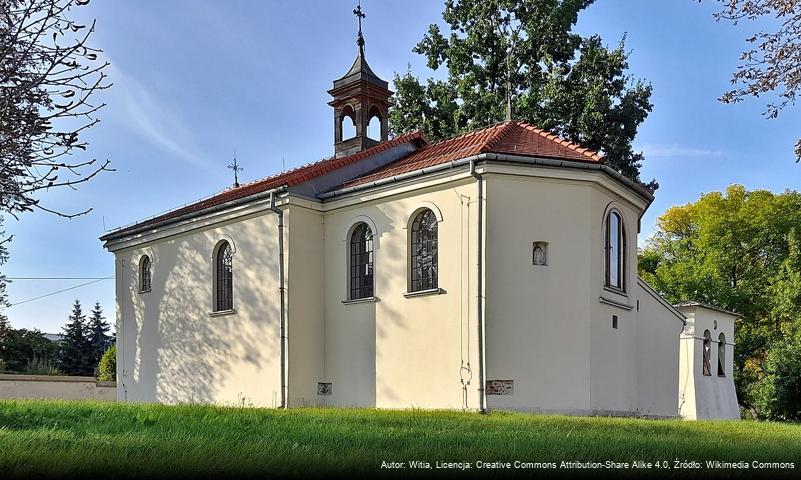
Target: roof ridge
{"x": 467, "y": 134}
{"x": 498, "y": 136}
{"x": 593, "y": 154}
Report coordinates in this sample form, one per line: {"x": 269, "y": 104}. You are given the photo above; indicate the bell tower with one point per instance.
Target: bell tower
{"x": 359, "y": 96}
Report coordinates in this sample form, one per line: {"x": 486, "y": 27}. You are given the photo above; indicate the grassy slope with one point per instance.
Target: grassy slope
{"x": 67, "y": 437}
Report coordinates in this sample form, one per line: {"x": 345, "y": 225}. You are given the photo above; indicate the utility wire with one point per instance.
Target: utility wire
{"x": 60, "y": 291}
{"x": 57, "y": 278}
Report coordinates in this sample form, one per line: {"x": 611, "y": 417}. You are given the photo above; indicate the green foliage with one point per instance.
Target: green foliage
{"x": 740, "y": 250}
{"x": 107, "y": 370}
{"x": 76, "y": 351}
{"x": 97, "y": 333}
{"x": 5, "y": 325}
{"x": 41, "y": 366}
{"x": 62, "y": 439}
{"x": 524, "y": 53}
{"x": 22, "y": 346}
{"x": 777, "y": 394}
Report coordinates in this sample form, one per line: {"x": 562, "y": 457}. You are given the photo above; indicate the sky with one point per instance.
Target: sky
{"x": 196, "y": 79}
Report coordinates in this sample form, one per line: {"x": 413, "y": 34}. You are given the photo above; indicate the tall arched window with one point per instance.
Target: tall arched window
{"x": 423, "y": 255}
{"x": 145, "y": 278}
{"x": 224, "y": 278}
{"x": 707, "y": 368}
{"x": 615, "y": 244}
{"x": 361, "y": 262}
{"x": 721, "y": 355}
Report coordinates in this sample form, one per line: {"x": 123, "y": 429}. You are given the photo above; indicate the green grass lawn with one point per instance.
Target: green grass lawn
{"x": 44, "y": 438}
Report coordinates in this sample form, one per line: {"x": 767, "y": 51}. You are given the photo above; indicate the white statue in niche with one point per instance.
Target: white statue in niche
{"x": 539, "y": 256}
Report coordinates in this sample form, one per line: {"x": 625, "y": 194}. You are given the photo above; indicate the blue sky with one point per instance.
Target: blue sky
{"x": 194, "y": 79}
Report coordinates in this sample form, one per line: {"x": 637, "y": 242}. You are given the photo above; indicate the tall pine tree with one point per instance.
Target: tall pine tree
{"x": 97, "y": 333}
{"x": 76, "y": 351}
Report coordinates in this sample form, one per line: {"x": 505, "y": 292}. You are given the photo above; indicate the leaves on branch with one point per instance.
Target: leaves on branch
{"x": 523, "y": 54}
{"x": 773, "y": 64}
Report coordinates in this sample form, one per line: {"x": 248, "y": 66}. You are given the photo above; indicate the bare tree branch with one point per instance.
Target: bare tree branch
{"x": 48, "y": 77}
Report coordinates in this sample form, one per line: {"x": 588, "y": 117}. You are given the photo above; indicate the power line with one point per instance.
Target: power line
{"x": 60, "y": 291}
{"x": 58, "y": 278}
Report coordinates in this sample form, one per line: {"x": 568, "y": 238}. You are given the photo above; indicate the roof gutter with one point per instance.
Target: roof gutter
{"x": 550, "y": 162}
{"x": 134, "y": 229}
{"x": 399, "y": 177}
{"x": 542, "y": 161}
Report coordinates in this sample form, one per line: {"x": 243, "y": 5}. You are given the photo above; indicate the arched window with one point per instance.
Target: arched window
{"x": 615, "y": 244}
{"x": 423, "y": 258}
{"x": 721, "y": 355}
{"x": 145, "y": 278}
{"x": 361, "y": 262}
{"x": 224, "y": 278}
{"x": 347, "y": 123}
{"x": 707, "y": 369}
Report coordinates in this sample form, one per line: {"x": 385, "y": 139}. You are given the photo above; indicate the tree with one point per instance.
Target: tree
{"x": 5, "y": 325}
{"x": 777, "y": 394}
{"x": 520, "y": 59}
{"x": 97, "y": 333}
{"x": 107, "y": 369}
{"x": 773, "y": 61}
{"x": 26, "y": 347}
{"x": 49, "y": 75}
{"x": 740, "y": 250}
{"x": 76, "y": 351}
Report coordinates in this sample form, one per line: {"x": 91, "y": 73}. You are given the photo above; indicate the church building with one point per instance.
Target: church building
{"x": 493, "y": 270}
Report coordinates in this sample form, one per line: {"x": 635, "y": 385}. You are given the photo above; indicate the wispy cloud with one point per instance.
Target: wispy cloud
{"x": 155, "y": 121}
{"x": 671, "y": 151}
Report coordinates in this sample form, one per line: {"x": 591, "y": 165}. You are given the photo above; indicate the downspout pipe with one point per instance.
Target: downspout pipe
{"x": 282, "y": 294}
{"x": 482, "y": 397}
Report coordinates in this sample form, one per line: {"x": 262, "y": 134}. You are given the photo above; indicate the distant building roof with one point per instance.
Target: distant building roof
{"x": 53, "y": 337}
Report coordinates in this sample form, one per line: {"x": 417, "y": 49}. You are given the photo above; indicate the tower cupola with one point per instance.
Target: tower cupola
{"x": 359, "y": 96}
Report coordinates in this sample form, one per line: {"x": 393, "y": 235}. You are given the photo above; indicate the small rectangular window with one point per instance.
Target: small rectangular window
{"x": 614, "y": 322}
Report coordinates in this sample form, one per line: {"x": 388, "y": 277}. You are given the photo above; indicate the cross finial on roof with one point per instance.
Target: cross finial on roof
{"x": 236, "y": 168}
{"x": 360, "y": 15}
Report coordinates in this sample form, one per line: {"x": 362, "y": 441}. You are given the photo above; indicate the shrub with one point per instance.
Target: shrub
{"x": 41, "y": 366}
{"x": 107, "y": 370}
{"x": 776, "y": 395}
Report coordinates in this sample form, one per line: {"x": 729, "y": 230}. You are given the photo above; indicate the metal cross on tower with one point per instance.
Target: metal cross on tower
{"x": 360, "y": 15}
{"x": 236, "y": 168}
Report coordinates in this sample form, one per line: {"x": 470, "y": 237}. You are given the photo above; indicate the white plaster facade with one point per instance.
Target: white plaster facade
{"x": 522, "y": 305}
{"x": 707, "y": 393}
{"x": 548, "y": 328}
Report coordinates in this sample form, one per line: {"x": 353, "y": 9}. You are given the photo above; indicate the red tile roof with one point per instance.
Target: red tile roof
{"x": 289, "y": 178}
{"x": 509, "y": 137}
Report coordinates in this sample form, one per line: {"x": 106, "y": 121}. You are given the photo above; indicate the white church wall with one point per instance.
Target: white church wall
{"x": 657, "y": 356}
{"x": 613, "y": 366}
{"x": 305, "y": 304}
{"x": 537, "y": 319}
{"x": 706, "y": 396}
{"x": 171, "y": 349}
{"x": 399, "y": 351}
{"x": 350, "y": 329}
